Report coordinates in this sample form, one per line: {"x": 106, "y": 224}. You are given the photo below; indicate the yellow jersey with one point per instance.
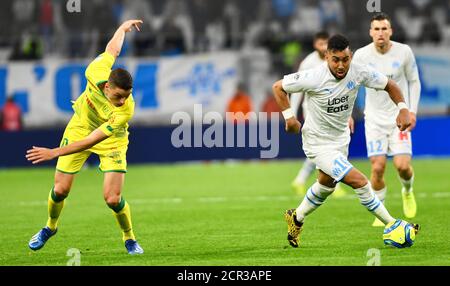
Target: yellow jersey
{"x": 94, "y": 110}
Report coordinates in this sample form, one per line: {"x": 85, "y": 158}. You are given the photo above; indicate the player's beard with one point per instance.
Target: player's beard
{"x": 321, "y": 55}
{"x": 340, "y": 75}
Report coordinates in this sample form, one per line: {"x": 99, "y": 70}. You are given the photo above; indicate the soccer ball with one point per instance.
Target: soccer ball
{"x": 399, "y": 233}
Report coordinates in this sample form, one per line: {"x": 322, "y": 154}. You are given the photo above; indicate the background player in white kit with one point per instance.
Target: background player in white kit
{"x": 331, "y": 90}
{"x": 383, "y": 138}
{"x": 312, "y": 60}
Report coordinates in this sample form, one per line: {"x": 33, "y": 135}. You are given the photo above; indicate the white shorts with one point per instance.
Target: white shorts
{"x": 333, "y": 162}
{"x": 390, "y": 141}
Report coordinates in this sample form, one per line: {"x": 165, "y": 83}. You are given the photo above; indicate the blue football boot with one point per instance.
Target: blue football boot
{"x": 133, "y": 247}
{"x": 39, "y": 239}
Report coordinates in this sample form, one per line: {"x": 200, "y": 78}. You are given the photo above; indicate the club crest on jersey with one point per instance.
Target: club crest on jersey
{"x": 374, "y": 75}
{"x": 351, "y": 85}
{"x": 395, "y": 64}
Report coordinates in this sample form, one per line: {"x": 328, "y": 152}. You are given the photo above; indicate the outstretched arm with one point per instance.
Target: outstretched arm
{"x": 115, "y": 44}
{"x": 403, "y": 118}
{"x": 39, "y": 154}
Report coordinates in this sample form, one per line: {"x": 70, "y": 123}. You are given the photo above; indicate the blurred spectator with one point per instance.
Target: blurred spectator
{"x": 74, "y": 29}
{"x": 332, "y": 15}
{"x": 171, "y": 38}
{"x": 240, "y": 105}
{"x": 104, "y": 22}
{"x": 24, "y": 15}
{"x": 11, "y": 116}
{"x": 447, "y": 10}
{"x": 176, "y": 34}
{"x": 412, "y": 25}
{"x": 216, "y": 36}
{"x": 306, "y": 21}
{"x": 291, "y": 51}
{"x": 46, "y": 24}
{"x": 24, "y": 21}
{"x": 27, "y": 47}
{"x": 431, "y": 32}
{"x": 232, "y": 24}
{"x": 270, "y": 105}
{"x": 204, "y": 25}
{"x": 284, "y": 8}
{"x": 144, "y": 42}
{"x": 200, "y": 13}
{"x": 266, "y": 30}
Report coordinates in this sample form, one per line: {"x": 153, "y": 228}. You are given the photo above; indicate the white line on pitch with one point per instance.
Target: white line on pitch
{"x": 178, "y": 200}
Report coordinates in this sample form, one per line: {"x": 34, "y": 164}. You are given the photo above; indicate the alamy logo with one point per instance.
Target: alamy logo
{"x": 260, "y": 132}
{"x": 73, "y": 6}
{"x": 373, "y": 6}
{"x": 204, "y": 81}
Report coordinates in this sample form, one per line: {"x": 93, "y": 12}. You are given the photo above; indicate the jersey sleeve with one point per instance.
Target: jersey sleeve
{"x": 373, "y": 78}
{"x": 357, "y": 57}
{"x": 118, "y": 119}
{"x": 115, "y": 122}
{"x": 298, "y": 82}
{"x": 412, "y": 75}
{"x": 304, "y": 65}
{"x": 99, "y": 69}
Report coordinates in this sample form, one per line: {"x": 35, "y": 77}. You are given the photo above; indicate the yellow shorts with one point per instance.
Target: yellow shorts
{"x": 112, "y": 153}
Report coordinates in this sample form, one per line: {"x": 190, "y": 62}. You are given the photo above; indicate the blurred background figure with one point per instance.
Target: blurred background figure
{"x": 46, "y": 24}
{"x": 175, "y": 34}
{"x": 11, "y": 116}
{"x": 144, "y": 43}
{"x": 240, "y": 105}
{"x": 43, "y": 28}
{"x": 270, "y": 105}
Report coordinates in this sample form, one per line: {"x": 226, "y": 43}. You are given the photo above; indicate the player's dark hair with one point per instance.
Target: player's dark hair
{"x": 380, "y": 17}
{"x": 322, "y": 35}
{"x": 121, "y": 78}
{"x": 338, "y": 43}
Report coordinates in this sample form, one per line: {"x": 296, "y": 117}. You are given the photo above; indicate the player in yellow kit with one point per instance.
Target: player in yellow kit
{"x": 99, "y": 125}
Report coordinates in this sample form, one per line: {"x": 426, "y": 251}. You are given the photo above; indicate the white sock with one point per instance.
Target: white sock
{"x": 407, "y": 184}
{"x": 368, "y": 199}
{"x": 306, "y": 171}
{"x": 314, "y": 198}
{"x": 381, "y": 194}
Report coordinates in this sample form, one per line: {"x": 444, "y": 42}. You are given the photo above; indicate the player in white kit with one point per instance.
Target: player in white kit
{"x": 331, "y": 90}
{"x": 383, "y": 138}
{"x": 312, "y": 60}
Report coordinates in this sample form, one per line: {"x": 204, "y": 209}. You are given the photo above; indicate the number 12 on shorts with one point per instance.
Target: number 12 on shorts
{"x": 375, "y": 146}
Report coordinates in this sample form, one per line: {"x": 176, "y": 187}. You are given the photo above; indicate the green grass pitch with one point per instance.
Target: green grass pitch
{"x": 218, "y": 214}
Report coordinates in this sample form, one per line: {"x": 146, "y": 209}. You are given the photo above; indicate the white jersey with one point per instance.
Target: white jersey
{"x": 330, "y": 103}
{"x": 311, "y": 61}
{"x": 399, "y": 65}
